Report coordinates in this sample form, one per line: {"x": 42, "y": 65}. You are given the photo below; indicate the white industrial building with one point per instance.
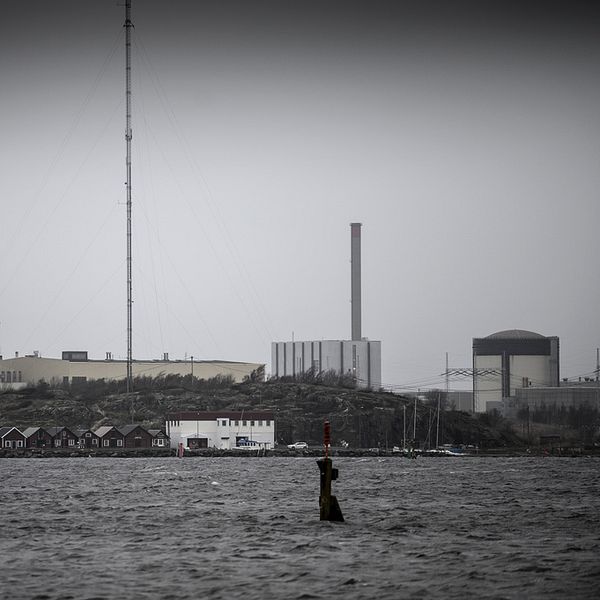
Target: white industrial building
{"x": 76, "y": 367}
{"x": 224, "y": 430}
{"x": 509, "y": 360}
{"x": 358, "y": 357}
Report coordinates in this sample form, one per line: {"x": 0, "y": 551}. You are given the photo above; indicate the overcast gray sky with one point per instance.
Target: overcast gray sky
{"x": 465, "y": 136}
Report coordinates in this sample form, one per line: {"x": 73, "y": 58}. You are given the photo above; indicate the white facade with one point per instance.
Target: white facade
{"x": 19, "y": 371}
{"x": 224, "y": 430}
{"x": 360, "y": 359}
{"x": 488, "y": 387}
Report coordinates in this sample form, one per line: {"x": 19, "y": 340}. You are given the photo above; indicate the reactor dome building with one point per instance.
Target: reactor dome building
{"x": 509, "y": 360}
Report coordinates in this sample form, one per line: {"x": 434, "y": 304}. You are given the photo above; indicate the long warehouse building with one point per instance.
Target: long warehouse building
{"x": 76, "y": 367}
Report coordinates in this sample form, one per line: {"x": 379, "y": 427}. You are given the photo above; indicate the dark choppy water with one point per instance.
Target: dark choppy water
{"x": 249, "y": 528}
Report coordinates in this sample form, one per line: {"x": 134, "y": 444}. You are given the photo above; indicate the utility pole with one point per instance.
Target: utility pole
{"x": 128, "y": 26}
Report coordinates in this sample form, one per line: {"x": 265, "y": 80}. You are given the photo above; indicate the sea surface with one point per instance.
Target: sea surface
{"x": 457, "y": 527}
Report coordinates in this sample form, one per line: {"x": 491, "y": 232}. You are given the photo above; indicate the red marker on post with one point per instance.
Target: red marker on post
{"x": 327, "y": 437}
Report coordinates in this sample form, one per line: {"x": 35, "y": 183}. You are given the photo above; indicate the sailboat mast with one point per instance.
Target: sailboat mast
{"x": 128, "y": 25}
{"x": 404, "y": 427}
{"x": 415, "y": 422}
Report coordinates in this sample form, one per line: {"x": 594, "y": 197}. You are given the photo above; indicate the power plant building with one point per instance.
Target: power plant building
{"x": 506, "y": 361}
{"x": 358, "y": 357}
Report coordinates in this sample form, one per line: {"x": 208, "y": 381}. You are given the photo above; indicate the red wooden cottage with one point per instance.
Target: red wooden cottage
{"x": 38, "y": 437}
{"x": 136, "y": 436}
{"x": 11, "y": 437}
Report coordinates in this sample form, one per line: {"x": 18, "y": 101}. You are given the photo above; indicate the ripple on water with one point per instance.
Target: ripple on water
{"x": 248, "y": 528}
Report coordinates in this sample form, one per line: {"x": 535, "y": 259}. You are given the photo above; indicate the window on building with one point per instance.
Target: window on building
{"x": 57, "y": 443}
{"x": 71, "y": 442}
{"x": 8, "y": 378}
{"x": 223, "y": 423}
{"x": 105, "y": 442}
{"x": 19, "y": 443}
{"x": 244, "y": 423}
{"x": 260, "y": 423}
{"x": 20, "y": 376}
{"x": 94, "y": 442}
{"x": 7, "y": 443}
{"x": 268, "y": 423}
{"x": 119, "y": 442}
{"x": 251, "y": 423}
{"x": 237, "y": 423}
{"x": 88, "y": 434}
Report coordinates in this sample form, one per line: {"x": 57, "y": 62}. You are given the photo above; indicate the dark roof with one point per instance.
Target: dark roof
{"x": 6, "y": 430}
{"x": 54, "y": 431}
{"x": 127, "y": 429}
{"x": 102, "y": 431}
{"x": 223, "y": 414}
{"x": 155, "y": 432}
{"x": 82, "y": 432}
{"x": 515, "y": 334}
{"x": 30, "y": 431}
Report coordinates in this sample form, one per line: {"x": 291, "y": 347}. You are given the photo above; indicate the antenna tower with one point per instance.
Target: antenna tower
{"x": 128, "y": 26}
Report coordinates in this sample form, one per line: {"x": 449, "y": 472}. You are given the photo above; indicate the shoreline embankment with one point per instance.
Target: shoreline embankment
{"x": 571, "y": 452}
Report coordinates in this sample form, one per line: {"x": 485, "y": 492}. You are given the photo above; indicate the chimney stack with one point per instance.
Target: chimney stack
{"x": 355, "y": 270}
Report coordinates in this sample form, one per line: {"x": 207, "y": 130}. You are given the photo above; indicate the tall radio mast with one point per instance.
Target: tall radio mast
{"x": 128, "y": 25}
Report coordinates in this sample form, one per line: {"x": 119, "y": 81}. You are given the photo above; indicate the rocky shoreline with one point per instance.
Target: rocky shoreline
{"x": 285, "y": 453}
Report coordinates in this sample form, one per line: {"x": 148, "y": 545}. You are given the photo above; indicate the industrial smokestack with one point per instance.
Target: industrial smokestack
{"x": 355, "y": 269}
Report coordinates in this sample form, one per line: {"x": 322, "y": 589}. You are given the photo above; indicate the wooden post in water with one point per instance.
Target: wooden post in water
{"x": 328, "y": 504}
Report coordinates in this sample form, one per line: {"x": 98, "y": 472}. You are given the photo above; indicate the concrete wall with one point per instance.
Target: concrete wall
{"x": 486, "y": 388}
{"x": 529, "y": 371}
{"x": 523, "y": 371}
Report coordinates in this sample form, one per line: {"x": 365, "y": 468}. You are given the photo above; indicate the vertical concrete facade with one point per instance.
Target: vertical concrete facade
{"x": 360, "y": 359}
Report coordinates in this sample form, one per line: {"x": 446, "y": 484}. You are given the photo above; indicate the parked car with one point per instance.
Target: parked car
{"x": 298, "y": 446}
